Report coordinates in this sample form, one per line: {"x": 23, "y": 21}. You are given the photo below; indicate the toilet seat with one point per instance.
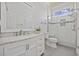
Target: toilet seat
{"x": 52, "y": 39}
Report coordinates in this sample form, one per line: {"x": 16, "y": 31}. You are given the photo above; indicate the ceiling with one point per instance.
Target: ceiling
{"x": 54, "y": 4}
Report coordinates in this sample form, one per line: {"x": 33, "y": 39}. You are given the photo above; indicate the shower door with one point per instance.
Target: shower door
{"x": 77, "y": 29}
{"x": 78, "y": 25}
{"x": 63, "y": 26}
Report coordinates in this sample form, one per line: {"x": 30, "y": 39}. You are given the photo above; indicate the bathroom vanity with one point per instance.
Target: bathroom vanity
{"x": 18, "y": 17}
{"x": 24, "y": 45}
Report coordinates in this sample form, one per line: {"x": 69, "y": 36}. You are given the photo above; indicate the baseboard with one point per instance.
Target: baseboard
{"x": 67, "y": 44}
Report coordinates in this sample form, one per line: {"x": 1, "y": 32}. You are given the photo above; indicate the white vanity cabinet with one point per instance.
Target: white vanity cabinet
{"x": 15, "y": 49}
{"x": 32, "y": 46}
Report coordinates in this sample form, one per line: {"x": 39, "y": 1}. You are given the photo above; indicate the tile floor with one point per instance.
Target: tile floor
{"x": 59, "y": 51}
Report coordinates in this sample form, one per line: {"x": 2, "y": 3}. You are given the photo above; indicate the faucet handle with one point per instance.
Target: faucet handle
{"x": 20, "y": 32}
{"x": 16, "y": 33}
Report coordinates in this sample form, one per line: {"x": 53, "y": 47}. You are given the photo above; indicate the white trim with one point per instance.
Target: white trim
{"x": 67, "y": 44}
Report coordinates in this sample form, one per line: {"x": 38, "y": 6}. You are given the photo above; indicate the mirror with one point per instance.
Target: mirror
{"x": 17, "y": 16}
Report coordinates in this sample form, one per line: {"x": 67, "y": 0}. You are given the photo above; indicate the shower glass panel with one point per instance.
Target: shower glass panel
{"x": 0, "y": 17}
{"x": 77, "y": 49}
{"x": 63, "y": 24}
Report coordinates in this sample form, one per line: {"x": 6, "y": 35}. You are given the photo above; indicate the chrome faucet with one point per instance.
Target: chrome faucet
{"x": 20, "y": 32}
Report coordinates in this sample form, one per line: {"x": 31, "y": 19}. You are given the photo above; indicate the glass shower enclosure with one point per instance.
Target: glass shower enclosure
{"x": 63, "y": 23}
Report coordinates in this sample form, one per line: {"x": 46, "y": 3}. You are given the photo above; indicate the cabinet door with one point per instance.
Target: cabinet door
{"x": 1, "y": 51}
{"x": 36, "y": 46}
{"x": 15, "y": 49}
{"x": 40, "y": 49}
{"x": 32, "y": 52}
{"x": 33, "y": 43}
{"x": 32, "y": 47}
{"x": 41, "y": 45}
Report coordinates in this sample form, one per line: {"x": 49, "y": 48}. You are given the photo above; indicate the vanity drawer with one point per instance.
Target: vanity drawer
{"x": 41, "y": 49}
{"x": 15, "y": 49}
{"x": 32, "y": 52}
{"x": 33, "y": 43}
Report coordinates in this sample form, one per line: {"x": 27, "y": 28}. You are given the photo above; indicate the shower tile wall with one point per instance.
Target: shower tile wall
{"x": 65, "y": 33}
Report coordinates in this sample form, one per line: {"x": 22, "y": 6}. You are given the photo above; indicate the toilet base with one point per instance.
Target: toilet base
{"x": 52, "y": 44}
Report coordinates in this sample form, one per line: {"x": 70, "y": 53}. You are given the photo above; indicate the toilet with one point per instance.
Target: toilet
{"x": 51, "y": 41}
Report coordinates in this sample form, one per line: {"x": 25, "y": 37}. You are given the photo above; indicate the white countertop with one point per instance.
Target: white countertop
{"x": 17, "y": 38}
